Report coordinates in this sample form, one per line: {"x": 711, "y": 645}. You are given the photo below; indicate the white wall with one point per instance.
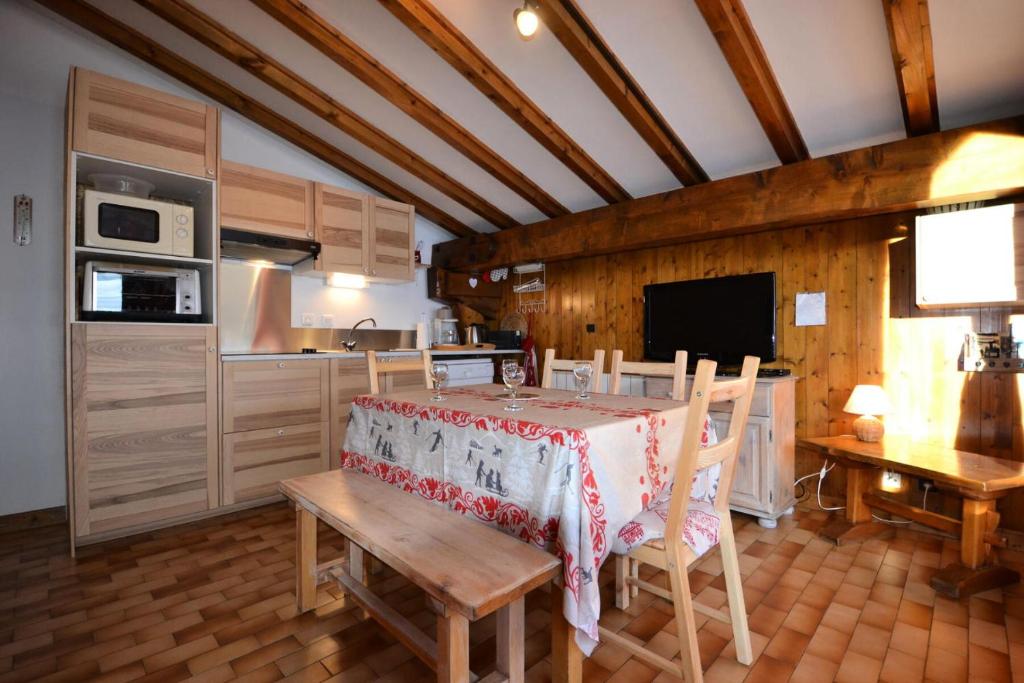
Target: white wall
{"x": 36, "y": 51}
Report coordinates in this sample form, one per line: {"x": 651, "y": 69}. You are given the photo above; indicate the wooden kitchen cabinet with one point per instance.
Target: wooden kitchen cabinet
{"x": 121, "y": 120}
{"x": 144, "y": 426}
{"x": 349, "y": 378}
{"x": 264, "y": 201}
{"x": 392, "y": 232}
{"x": 254, "y": 462}
{"x": 342, "y": 220}
{"x": 274, "y": 393}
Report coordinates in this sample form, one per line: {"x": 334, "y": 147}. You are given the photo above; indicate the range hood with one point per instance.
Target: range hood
{"x": 254, "y": 246}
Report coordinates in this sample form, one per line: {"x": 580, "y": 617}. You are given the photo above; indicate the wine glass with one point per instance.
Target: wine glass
{"x": 513, "y": 375}
{"x": 439, "y": 376}
{"x": 582, "y": 371}
{"x": 509, "y": 363}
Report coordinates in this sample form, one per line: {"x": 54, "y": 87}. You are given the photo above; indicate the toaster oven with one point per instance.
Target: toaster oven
{"x": 126, "y": 292}
{"x": 150, "y": 226}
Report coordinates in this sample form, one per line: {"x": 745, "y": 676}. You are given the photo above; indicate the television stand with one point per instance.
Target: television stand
{"x": 764, "y": 472}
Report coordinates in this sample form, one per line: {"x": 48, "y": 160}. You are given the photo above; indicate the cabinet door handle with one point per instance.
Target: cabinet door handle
{"x": 373, "y": 272}
{"x": 281, "y": 364}
{"x": 212, "y": 349}
{"x": 309, "y": 234}
{"x": 280, "y": 432}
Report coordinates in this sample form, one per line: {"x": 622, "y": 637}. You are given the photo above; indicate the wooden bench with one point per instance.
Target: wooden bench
{"x": 466, "y": 568}
{"x": 979, "y": 479}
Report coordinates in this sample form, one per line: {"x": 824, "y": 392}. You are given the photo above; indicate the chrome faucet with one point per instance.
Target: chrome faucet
{"x": 349, "y": 343}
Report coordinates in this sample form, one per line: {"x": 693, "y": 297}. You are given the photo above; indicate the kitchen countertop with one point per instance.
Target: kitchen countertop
{"x": 229, "y": 357}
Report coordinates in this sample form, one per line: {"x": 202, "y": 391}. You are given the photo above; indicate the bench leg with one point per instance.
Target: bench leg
{"x": 452, "y": 649}
{"x": 357, "y": 563}
{"x": 511, "y": 656}
{"x": 977, "y": 515}
{"x": 305, "y": 559}
{"x": 566, "y": 656}
{"x": 622, "y": 570}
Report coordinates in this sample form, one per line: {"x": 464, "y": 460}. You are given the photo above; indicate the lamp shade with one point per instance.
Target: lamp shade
{"x": 867, "y": 399}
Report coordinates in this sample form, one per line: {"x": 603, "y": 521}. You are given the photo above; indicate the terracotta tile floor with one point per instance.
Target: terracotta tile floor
{"x": 213, "y": 601}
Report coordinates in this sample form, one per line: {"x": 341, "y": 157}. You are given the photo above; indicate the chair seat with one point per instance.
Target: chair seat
{"x": 700, "y": 531}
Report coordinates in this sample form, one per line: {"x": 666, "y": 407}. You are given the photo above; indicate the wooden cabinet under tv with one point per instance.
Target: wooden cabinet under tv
{"x": 763, "y": 484}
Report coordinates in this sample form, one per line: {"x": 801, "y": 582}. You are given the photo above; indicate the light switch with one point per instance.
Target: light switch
{"x": 326, "y": 320}
{"x": 307, "y": 320}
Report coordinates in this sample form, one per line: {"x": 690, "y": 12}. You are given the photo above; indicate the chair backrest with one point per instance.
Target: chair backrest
{"x": 551, "y": 364}
{"x": 692, "y": 457}
{"x": 376, "y": 367}
{"x": 676, "y": 371}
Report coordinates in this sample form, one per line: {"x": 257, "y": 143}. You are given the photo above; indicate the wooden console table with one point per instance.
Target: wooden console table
{"x": 979, "y": 479}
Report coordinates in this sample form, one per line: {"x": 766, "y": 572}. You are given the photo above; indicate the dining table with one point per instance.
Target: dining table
{"x": 564, "y": 473}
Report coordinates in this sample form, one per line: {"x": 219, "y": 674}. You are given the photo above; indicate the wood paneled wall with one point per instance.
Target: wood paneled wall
{"x": 874, "y": 333}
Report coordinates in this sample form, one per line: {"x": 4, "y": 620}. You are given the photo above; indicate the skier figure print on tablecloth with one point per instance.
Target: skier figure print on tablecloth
{"x": 480, "y": 474}
{"x": 541, "y": 450}
{"x": 497, "y": 452}
{"x": 415, "y": 427}
{"x": 438, "y": 441}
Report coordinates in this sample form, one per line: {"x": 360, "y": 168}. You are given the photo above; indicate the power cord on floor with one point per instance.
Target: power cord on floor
{"x": 924, "y": 506}
{"x": 821, "y": 474}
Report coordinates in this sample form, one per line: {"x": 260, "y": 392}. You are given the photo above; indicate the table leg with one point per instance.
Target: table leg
{"x": 976, "y": 514}
{"x": 859, "y": 480}
{"x": 511, "y": 658}
{"x": 566, "y": 656}
{"x": 305, "y": 559}
{"x": 452, "y": 648}
{"x": 856, "y": 524}
{"x": 975, "y": 572}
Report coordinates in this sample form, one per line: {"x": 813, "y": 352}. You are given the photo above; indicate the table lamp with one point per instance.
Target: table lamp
{"x": 868, "y": 400}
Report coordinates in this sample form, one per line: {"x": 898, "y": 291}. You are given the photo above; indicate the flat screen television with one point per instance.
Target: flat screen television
{"x": 721, "y": 318}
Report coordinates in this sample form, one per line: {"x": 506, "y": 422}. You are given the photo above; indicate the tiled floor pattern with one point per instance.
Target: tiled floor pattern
{"x": 213, "y": 601}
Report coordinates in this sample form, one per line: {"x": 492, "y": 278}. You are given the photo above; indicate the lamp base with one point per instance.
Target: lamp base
{"x": 868, "y": 428}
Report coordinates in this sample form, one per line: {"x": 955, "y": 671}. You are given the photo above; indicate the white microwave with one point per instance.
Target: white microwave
{"x": 151, "y": 226}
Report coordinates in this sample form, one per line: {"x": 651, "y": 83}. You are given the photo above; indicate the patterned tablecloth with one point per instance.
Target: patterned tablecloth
{"x": 564, "y": 474}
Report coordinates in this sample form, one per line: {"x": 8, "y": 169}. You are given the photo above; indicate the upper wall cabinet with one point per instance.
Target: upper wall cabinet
{"x": 970, "y": 258}
{"x": 392, "y": 233}
{"x": 129, "y": 122}
{"x": 342, "y": 228}
{"x": 263, "y": 201}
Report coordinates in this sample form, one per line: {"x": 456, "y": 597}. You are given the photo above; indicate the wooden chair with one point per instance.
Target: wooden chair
{"x": 676, "y": 371}
{"x": 551, "y": 364}
{"x": 666, "y": 549}
{"x": 376, "y": 367}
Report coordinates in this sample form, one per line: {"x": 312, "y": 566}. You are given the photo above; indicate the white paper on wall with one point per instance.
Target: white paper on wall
{"x": 810, "y": 308}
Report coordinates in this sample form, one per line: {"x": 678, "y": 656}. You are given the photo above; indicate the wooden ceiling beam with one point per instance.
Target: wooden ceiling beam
{"x": 319, "y": 33}
{"x": 139, "y": 45}
{"x": 423, "y": 19}
{"x": 570, "y": 25}
{"x": 731, "y": 26}
{"x": 910, "y": 39}
{"x": 968, "y": 164}
{"x": 191, "y": 20}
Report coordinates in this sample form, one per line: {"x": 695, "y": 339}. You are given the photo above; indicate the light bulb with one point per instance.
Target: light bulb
{"x": 526, "y": 21}
{"x": 346, "y": 281}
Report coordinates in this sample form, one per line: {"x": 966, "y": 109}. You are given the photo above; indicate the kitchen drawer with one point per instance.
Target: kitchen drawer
{"x": 760, "y": 404}
{"x": 271, "y": 393}
{"x": 254, "y": 462}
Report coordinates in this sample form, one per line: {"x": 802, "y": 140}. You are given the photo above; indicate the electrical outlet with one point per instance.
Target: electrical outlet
{"x": 326, "y": 320}
{"x": 591, "y": 327}
{"x": 891, "y": 480}
{"x": 307, "y": 320}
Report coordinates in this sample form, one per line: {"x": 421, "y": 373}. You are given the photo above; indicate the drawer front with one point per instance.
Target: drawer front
{"x": 254, "y": 462}
{"x": 760, "y": 404}
{"x": 262, "y": 394}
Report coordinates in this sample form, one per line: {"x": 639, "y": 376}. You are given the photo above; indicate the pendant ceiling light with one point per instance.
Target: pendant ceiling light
{"x": 526, "y": 20}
